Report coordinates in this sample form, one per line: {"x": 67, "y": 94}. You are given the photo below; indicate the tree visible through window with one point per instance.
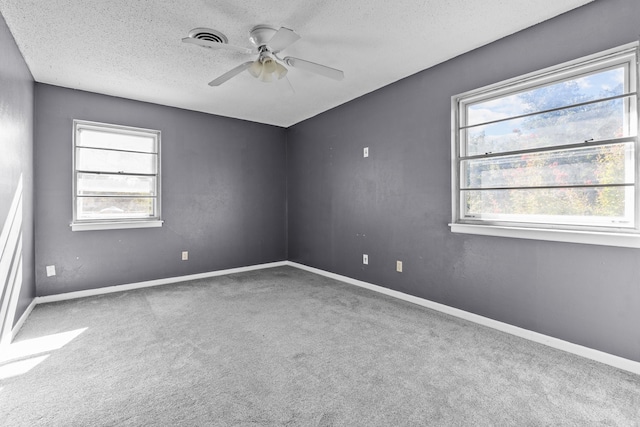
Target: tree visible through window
{"x": 558, "y": 148}
{"x": 116, "y": 175}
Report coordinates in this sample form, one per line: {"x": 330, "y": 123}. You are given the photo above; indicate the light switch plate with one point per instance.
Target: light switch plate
{"x": 51, "y": 270}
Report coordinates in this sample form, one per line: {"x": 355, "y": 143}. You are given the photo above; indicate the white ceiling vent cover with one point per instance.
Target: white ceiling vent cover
{"x": 208, "y": 34}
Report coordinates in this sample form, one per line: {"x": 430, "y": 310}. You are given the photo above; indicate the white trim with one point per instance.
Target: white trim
{"x": 553, "y": 235}
{"x": 23, "y": 319}
{"x": 150, "y": 283}
{"x": 557, "y": 72}
{"x": 90, "y": 226}
{"x": 82, "y": 225}
{"x": 589, "y": 353}
{"x": 625, "y": 55}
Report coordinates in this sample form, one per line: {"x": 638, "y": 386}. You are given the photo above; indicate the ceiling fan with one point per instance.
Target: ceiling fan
{"x": 268, "y": 43}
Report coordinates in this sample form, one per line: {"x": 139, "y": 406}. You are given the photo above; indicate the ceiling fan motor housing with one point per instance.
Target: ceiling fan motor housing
{"x": 261, "y": 34}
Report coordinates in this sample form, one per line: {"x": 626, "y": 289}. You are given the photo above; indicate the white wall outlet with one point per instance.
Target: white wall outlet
{"x": 51, "y": 270}
{"x": 365, "y": 152}
{"x": 185, "y": 255}
{"x": 365, "y": 259}
{"x": 399, "y": 266}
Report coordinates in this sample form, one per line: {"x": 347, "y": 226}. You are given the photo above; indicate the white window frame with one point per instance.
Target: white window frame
{"x": 608, "y": 236}
{"x": 113, "y": 223}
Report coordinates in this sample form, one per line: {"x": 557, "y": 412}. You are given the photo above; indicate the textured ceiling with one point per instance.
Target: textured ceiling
{"x": 133, "y": 48}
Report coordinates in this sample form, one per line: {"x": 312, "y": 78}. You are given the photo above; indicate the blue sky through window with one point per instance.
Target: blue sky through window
{"x": 586, "y": 88}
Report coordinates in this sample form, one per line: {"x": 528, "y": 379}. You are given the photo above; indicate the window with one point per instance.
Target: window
{"x": 552, "y": 155}
{"x": 116, "y": 177}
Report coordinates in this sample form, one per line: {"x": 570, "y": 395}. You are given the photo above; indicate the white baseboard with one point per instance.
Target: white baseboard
{"x": 150, "y": 283}
{"x": 23, "y": 318}
{"x": 589, "y": 353}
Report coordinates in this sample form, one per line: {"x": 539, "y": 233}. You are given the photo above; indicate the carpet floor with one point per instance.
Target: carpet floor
{"x": 284, "y": 347}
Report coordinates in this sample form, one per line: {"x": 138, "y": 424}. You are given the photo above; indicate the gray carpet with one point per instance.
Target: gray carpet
{"x": 283, "y": 347}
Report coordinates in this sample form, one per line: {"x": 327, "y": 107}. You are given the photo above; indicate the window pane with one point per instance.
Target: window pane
{"x": 609, "y": 164}
{"x": 599, "y": 121}
{"x": 90, "y": 159}
{"x": 581, "y": 89}
{"x": 116, "y": 141}
{"x": 551, "y": 150}
{"x": 115, "y": 185}
{"x": 595, "y": 205}
{"x": 115, "y": 207}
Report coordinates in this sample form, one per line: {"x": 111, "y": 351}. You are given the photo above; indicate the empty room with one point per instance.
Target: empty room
{"x": 299, "y": 213}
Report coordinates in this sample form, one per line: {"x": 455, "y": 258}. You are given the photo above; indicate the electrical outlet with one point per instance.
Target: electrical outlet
{"x": 185, "y": 255}
{"x": 399, "y": 266}
{"x": 365, "y": 152}
{"x": 365, "y": 259}
{"x": 51, "y": 270}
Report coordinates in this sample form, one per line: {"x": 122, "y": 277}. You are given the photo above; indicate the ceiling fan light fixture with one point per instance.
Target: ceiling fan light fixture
{"x": 266, "y": 77}
{"x": 267, "y": 69}
{"x": 269, "y": 65}
{"x": 256, "y": 68}
{"x": 281, "y": 70}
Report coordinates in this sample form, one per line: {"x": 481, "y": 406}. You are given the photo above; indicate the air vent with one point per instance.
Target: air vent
{"x": 208, "y": 34}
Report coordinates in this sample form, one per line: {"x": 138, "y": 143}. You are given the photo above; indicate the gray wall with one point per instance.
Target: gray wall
{"x": 16, "y": 158}
{"x": 396, "y": 204}
{"x": 223, "y": 195}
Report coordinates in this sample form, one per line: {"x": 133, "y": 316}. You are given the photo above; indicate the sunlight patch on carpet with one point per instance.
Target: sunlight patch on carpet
{"x": 20, "y": 367}
{"x": 33, "y": 346}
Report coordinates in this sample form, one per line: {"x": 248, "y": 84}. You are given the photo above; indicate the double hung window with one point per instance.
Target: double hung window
{"x": 116, "y": 177}
{"x": 551, "y": 155}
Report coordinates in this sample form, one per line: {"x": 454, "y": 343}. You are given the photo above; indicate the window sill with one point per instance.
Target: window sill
{"x": 90, "y": 226}
{"x": 623, "y": 240}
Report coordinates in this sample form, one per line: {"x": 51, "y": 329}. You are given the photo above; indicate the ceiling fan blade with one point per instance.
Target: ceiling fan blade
{"x": 214, "y": 45}
{"x": 231, "y": 73}
{"x": 323, "y": 70}
{"x": 283, "y": 38}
